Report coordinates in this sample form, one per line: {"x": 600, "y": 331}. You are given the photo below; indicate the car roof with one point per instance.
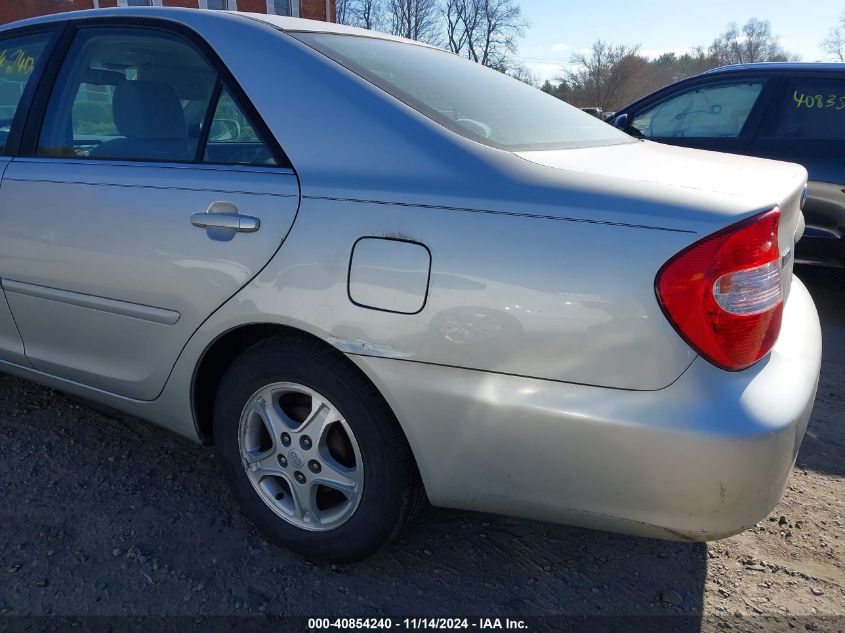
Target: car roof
{"x": 301, "y": 25}
{"x": 777, "y": 67}
{"x": 189, "y": 16}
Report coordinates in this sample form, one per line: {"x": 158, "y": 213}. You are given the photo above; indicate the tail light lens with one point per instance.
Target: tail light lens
{"x": 724, "y": 294}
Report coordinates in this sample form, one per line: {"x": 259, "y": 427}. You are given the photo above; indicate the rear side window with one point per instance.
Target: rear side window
{"x": 18, "y": 57}
{"x": 718, "y": 111}
{"x": 814, "y": 109}
{"x": 232, "y": 138}
{"x": 132, "y": 94}
{"x": 471, "y": 100}
{"x": 125, "y": 94}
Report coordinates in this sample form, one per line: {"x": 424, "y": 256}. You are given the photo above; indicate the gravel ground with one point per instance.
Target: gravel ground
{"x": 100, "y": 516}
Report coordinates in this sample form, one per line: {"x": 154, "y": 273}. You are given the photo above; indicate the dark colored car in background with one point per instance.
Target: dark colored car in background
{"x": 793, "y": 112}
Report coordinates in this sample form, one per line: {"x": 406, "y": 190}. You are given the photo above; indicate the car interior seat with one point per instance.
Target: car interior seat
{"x": 149, "y": 115}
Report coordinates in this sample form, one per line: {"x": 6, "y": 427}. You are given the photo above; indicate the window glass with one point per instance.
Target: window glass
{"x": 281, "y": 7}
{"x": 708, "y": 112}
{"x": 216, "y": 4}
{"x": 128, "y": 94}
{"x": 474, "y": 101}
{"x": 814, "y": 110}
{"x": 18, "y": 57}
{"x": 232, "y": 138}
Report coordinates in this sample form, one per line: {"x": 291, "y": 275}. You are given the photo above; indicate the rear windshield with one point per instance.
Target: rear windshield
{"x": 476, "y": 102}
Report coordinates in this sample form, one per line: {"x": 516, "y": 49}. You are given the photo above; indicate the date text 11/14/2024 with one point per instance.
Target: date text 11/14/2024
{"x": 416, "y": 624}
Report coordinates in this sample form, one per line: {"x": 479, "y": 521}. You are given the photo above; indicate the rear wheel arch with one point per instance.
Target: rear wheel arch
{"x": 278, "y": 454}
{"x": 222, "y": 352}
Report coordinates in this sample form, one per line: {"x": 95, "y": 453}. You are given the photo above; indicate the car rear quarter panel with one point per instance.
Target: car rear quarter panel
{"x": 556, "y": 299}
{"x": 702, "y": 459}
{"x": 534, "y": 271}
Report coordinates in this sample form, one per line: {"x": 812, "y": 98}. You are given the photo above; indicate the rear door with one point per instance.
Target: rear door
{"x": 715, "y": 113}
{"x": 150, "y": 193}
{"x": 23, "y": 55}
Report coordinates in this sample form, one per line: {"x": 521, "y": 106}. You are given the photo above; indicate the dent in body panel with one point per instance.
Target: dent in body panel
{"x": 566, "y": 301}
{"x": 364, "y": 348}
{"x": 702, "y": 459}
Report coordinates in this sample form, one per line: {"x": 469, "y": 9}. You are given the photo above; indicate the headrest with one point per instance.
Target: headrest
{"x": 148, "y": 110}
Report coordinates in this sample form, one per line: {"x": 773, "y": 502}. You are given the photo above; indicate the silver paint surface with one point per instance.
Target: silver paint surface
{"x": 105, "y": 274}
{"x": 540, "y": 332}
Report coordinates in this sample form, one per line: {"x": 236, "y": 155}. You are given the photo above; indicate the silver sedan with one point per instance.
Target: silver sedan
{"x": 371, "y": 273}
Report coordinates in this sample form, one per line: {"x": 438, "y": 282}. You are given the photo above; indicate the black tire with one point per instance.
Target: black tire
{"x": 392, "y": 490}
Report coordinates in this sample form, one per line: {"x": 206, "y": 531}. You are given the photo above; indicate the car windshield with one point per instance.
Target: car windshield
{"x": 474, "y": 101}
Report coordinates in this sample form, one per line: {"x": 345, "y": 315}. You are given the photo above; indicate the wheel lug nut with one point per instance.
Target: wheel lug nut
{"x": 286, "y": 439}
{"x": 305, "y": 442}
{"x": 300, "y": 478}
{"x": 314, "y": 466}
{"x": 283, "y": 461}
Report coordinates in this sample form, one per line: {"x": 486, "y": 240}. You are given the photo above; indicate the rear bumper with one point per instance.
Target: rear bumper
{"x": 704, "y": 458}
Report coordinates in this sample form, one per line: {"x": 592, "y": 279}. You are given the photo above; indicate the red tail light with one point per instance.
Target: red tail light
{"x": 724, "y": 294}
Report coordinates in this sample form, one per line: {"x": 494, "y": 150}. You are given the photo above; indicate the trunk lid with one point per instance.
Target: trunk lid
{"x": 753, "y": 184}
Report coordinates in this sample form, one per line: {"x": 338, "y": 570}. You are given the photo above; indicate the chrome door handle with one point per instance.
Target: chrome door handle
{"x": 233, "y": 221}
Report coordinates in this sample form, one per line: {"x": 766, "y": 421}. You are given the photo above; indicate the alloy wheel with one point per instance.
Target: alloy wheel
{"x": 301, "y": 456}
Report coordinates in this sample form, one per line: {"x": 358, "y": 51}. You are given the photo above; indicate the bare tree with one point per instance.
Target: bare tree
{"x": 368, "y": 14}
{"x": 457, "y": 14}
{"x": 834, "y": 43}
{"x": 753, "y": 43}
{"x": 414, "y": 19}
{"x": 341, "y": 11}
{"x": 608, "y": 76}
{"x": 524, "y": 74}
{"x": 602, "y": 72}
{"x": 485, "y": 31}
{"x": 499, "y": 26}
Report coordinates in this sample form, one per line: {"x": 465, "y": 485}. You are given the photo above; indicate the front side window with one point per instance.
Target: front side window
{"x": 813, "y": 110}
{"x": 718, "y": 111}
{"x": 18, "y": 57}
{"x": 474, "y": 101}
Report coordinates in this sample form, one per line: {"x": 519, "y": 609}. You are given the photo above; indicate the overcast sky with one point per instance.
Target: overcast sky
{"x": 558, "y": 28}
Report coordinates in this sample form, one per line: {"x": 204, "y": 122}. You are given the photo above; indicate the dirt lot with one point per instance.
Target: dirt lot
{"x": 107, "y": 517}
